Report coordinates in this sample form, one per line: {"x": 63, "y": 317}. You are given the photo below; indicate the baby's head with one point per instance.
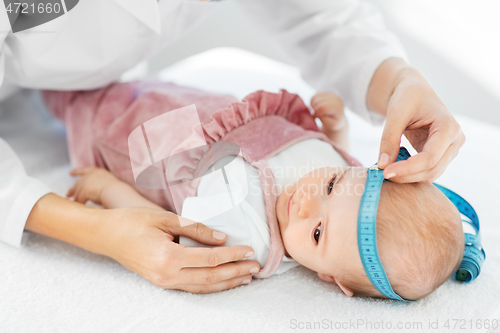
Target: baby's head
{"x": 419, "y": 232}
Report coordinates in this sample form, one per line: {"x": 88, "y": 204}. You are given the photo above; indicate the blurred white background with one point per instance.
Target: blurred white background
{"x": 455, "y": 43}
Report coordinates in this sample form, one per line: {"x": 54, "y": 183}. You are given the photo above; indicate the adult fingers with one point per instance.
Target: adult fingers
{"x": 395, "y": 125}
{"x": 212, "y": 275}
{"x": 211, "y": 257}
{"x": 219, "y": 286}
{"x": 199, "y": 232}
{"x": 433, "y": 152}
{"x": 427, "y": 176}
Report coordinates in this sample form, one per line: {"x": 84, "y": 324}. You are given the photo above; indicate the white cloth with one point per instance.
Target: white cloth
{"x": 337, "y": 44}
{"x": 241, "y": 212}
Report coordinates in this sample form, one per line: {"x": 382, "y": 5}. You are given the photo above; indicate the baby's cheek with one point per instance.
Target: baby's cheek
{"x": 294, "y": 243}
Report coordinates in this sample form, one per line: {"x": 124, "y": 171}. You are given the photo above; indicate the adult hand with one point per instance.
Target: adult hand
{"x": 412, "y": 108}
{"x": 141, "y": 239}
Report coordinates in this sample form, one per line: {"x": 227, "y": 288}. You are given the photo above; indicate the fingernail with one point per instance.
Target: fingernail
{"x": 384, "y": 159}
{"x": 218, "y": 235}
{"x": 246, "y": 281}
{"x": 392, "y": 174}
{"x": 249, "y": 254}
{"x": 254, "y": 270}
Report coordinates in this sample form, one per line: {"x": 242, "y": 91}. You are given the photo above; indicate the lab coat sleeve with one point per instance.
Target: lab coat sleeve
{"x": 4, "y": 30}
{"x": 6, "y": 88}
{"x": 18, "y": 194}
{"x": 337, "y": 44}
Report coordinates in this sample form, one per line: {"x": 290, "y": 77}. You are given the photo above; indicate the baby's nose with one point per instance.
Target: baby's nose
{"x": 308, "y": 206}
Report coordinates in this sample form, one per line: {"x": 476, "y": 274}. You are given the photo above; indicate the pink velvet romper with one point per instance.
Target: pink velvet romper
{"x": 135, "y": 130}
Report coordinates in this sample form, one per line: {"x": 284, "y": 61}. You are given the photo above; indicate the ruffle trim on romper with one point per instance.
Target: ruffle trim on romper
{"x": 259, "y": 104}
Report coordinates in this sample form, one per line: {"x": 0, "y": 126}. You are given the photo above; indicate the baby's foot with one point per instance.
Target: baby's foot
{"x": 329, "y": 108}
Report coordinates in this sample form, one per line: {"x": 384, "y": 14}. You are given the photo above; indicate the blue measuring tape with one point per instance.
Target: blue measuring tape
{"x": 474, "y": 254}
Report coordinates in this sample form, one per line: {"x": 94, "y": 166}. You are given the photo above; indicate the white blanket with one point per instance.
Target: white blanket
{"x": 51, "y": 286}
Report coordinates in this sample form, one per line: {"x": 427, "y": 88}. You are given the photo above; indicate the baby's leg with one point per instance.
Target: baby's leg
{"x": 329, "y": 108}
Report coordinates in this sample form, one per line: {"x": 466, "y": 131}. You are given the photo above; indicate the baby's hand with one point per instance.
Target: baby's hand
{"x": 329, "y": 108}
{"x": 91, "y": 184}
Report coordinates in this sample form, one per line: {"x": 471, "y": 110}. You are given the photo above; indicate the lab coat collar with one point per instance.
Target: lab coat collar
{"x": 146, "y": 11}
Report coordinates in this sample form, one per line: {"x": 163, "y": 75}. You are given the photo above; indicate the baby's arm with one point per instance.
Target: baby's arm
{"x": 103, "y": 188}
{"x": 329, "y": 108}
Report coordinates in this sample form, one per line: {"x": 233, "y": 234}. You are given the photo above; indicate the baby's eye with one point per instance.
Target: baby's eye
{"x": 330, "y": 186}
{"x": 317, "y": 232}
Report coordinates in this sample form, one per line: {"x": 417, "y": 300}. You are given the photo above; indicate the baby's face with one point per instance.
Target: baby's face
{"x": 318, "y": 220}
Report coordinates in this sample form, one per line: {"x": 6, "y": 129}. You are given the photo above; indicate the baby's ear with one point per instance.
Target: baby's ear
{"x": 328, "y": 278}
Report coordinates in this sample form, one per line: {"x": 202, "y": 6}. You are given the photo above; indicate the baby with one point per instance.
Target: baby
{"x": 316, "y": 186}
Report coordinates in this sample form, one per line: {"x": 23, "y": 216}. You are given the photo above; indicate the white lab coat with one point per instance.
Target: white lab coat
{"x": 338, "y": 44}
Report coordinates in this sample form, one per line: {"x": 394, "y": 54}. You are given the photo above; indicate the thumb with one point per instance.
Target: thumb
{"x": 202, "y": 234}
{"x": 391, "y": 140}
